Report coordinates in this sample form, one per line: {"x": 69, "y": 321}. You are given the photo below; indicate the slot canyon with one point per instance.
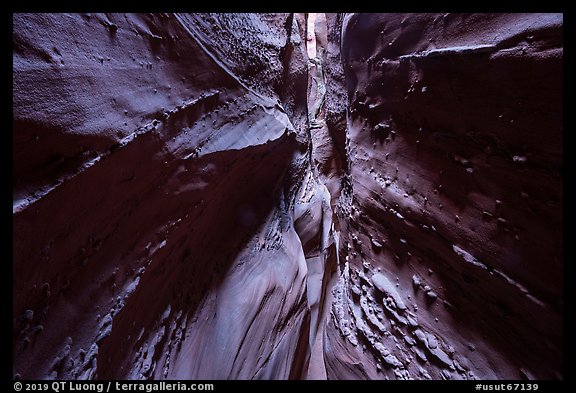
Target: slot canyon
{"x": 288, "y": 196}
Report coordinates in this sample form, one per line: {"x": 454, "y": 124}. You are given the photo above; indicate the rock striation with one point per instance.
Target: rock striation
{"x": 454, "y": 128}
{"x": 287, "y": 196}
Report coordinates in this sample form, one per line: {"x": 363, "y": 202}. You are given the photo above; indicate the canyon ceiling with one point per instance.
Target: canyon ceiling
{"x": 288, "y": 196}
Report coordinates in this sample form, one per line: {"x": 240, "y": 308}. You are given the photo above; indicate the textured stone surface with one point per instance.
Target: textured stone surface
{"x": 273, "y": 196}
{"x": 455, "y": 128}
{"x": 154, "y": 185}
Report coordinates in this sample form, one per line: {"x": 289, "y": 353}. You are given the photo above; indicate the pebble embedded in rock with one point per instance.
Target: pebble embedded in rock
{"x": 387, "y": 287}
{"x": 28, "y": 315}
{"x": 431, "y": 295}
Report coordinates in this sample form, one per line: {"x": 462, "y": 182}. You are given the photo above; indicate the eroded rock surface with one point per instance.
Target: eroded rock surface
{"x": 274, "y": 196}
{"x": 154, "y": 188}
{"x": 455, "y": 129}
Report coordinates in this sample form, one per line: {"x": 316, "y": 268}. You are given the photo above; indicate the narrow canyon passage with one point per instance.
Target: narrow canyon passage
{"x": 288, "y": 196}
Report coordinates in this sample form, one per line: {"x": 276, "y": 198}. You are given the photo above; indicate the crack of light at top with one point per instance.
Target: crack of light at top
{"x": 311, "y": 36}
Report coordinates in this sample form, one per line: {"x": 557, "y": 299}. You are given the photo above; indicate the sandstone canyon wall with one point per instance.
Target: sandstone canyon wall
{"x": 287, "y": 196}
